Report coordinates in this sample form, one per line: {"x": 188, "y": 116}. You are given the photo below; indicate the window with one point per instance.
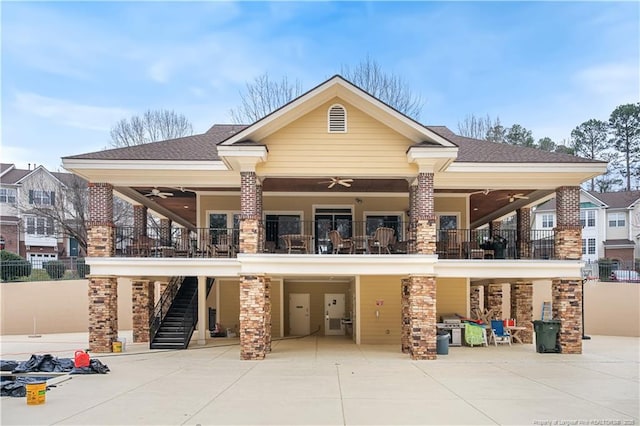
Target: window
{"x": 337, "y": 119}
{"x": 547, "y": 221}
{"x": 373, "y": 222}
{"x": 221, "y": 223}
{"x": 39, "y": 226}
{"x": 616, "y": 220}
{"x": 7, "y": 195}
{"x": 587, "y": 218}
{"x": 277, "y": 225}
{"x": 591, "y": 247}
{"x": 42, "y": 198}
{"x": 584, "y": 246}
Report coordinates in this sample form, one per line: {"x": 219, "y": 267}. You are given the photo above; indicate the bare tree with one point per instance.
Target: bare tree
{"x": 589, "y": 140}
{"x": 389, "y": 88}
{"x": 152, "y": 126}
{"x": 262, "y": 97}
{"x": 476, "y": 127}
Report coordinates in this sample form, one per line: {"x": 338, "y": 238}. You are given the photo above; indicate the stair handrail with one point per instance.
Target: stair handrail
{"x": 190, "y": 319}
{"x": 162, "y": 307}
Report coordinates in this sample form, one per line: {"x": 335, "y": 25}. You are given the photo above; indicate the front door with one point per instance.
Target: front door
{"x": 299, "y": 318}
{"x": 333, "y": 314}
{"x": 328, "y": 219}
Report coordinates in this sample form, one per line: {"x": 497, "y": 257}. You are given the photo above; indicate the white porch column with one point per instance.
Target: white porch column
{"x": 202, "y": 309}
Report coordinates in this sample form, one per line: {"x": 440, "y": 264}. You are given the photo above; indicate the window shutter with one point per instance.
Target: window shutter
{"x": 53, "y": 198}
{"x": 31, "y": 196}
{"x": 337, "y": 119}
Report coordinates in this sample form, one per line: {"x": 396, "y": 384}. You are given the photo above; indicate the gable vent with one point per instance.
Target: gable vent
{"x": 337, "y": 119}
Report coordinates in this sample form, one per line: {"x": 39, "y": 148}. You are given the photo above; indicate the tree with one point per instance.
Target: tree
{"x": 497, "y": 133}
{"x": 624, "y": 125}
{"x": 389, "y": 88}
{"x": 589, "y": 140}
{"x": 476, "y": 127}
{"x": 518, "y": 135}
{"x": 152, "y": 126}
{"x": 546, "y": 144}
{"x": 264, "y": 95}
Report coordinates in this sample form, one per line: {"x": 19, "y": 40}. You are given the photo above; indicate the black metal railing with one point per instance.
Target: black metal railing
{"x": 190, "y": 319}
{"x": 162, "y": 307}
{"x": 336, "y": 236}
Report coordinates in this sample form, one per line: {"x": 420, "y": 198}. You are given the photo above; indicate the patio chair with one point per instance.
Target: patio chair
{"x": 453, "y": 245}
{"x": 224, "y": 246}
{"x": 475, "y": 334}
{"x": 141, "y": 246}
{"x": 382, "y": 239}
{"x": 339, "y": 244}
{"x": 499, "y": 334}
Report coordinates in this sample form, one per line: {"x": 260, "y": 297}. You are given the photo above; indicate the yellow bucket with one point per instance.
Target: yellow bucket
{"x": 117, "y": 346}
{"x": 36, "y": 393}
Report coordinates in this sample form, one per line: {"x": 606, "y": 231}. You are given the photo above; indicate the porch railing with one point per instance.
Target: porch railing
{"x": 290, "y": 236}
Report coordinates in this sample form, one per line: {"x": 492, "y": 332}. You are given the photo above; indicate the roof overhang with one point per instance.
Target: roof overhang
{"x": 332, "y": 88}
{"x": 154, "y": 172}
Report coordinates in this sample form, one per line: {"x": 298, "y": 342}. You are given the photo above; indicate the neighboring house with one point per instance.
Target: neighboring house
{"x": 609, "y": 223}
{"x": 415, "y": 207}
{"x": 25, "y": 195}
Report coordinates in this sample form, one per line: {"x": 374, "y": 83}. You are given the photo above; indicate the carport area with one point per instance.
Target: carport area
{"x": 329, "y": 380}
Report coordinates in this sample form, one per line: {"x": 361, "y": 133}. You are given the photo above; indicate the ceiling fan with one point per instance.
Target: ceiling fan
{"x": 484, "y": 191}
{"x": 155, "y": 192}
{"x": 338, "y": 181}
{"x": 513, "y": 197}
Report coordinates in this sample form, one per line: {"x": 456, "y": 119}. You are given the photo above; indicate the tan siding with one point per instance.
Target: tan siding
{"x": 386, "y": 328}
{"x": 302, "y": 145}
{"x": 452, "y": 296}
{"x": 275, "y": 309}
{"x": 229, "y": 315}
{"x": 217, "y": 203}
{"x": 316, "y": 291}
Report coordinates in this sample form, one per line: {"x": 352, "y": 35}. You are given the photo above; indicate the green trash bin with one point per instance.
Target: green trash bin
{"x": 442, "y": 347}
{"x": 547, "y": 336}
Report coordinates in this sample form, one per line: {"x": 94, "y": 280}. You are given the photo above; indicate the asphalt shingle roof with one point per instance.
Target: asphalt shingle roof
{"x": 203, "y": 147}
{"x": 617, "y": 200}
{"x": 481, "y": 151}
{"x": 13, "y": 176}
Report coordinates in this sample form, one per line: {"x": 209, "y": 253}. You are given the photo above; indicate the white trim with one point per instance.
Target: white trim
{"x": 521, "y": 269}
{"x": 336, "y": 194}
{"x": 208, "y": 165}
{"x": 527, "y": 167}
{"x": 357, "y": 330}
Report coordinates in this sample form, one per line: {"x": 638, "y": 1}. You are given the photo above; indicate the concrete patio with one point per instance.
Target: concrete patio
{"x": 331, "y": 381}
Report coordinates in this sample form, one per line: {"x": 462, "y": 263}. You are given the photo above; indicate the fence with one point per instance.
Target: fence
{"x": 43, "y": 270}
{"x": 606, "y": 270}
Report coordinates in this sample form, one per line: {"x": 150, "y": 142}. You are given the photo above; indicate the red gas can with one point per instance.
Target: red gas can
{"x": 81, "y": 359}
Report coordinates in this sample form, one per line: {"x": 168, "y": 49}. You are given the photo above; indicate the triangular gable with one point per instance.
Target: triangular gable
{"x": 337, "y": 86}
{"x": 33, "y": 172}
{"x": 592, "y": 199}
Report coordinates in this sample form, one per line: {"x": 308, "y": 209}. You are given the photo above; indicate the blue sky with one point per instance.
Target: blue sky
{"x": 71, "y": 70}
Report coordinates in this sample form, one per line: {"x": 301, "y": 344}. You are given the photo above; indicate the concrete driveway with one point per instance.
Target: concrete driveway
{"x": 331, "y": 381}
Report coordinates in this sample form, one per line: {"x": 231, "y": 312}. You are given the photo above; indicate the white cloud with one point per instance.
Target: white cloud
{"x": 68, "y": 113}
{"x": 613, "y": 80}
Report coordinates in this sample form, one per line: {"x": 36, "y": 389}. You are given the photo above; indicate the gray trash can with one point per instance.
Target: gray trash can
{"x": 442, "y": 347}
{"x": 547, "y": 336}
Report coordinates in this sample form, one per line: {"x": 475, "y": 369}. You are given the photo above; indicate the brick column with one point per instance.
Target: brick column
{"x": 139, "y": 220}
{"x": 522, "y": 308}
{"x": 165, "y": 232}
{"x": 422, "y": 309}
{"x": 425, "y": 215}
{"x": 405, "y": 335}
{"x": 261, "y": 234}
{"x": 568, "y": 232}
{"x": 252, "y": 317}
{"x": 567, "y": 307}
{"x": 523, "y": 227}
{"x": 103, "y": 290}
{"x": 249, "y": 219}
{"x": 142, "y": 307}
{"x": 267, "y": 314}
{"x": 493, "y": 300}
{"x": 474, "y": 299}
{"x": 413, "y": 210}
